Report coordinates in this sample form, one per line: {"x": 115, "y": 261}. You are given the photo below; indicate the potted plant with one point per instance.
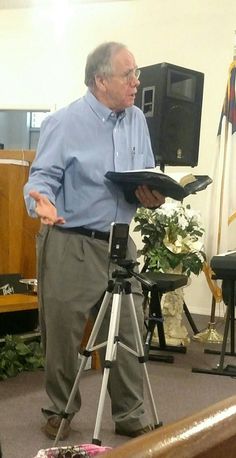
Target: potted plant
{"x": 172, "y": 242}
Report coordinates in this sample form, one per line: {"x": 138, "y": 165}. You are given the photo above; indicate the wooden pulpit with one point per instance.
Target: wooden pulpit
{"x": 17, "y": 229}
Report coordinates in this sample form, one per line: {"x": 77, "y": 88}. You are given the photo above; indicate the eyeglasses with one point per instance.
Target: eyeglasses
{"x": 130, "y": 75}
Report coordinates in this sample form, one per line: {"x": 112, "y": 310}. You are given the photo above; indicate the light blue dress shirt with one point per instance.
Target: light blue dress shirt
{"x": 78, "y": 145}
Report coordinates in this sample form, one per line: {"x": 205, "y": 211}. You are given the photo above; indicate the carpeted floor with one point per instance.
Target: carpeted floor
{"x": 178, "y": 392}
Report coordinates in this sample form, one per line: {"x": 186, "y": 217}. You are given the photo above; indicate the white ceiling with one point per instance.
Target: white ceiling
{"x": 9, "y": 4}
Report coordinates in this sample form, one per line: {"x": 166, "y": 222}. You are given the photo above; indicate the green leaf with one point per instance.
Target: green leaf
{"x": 22, "y": 348}
{"x": 16, "y": 356}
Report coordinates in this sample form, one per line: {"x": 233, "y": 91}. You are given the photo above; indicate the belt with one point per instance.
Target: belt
{"x": 87, "y": 232}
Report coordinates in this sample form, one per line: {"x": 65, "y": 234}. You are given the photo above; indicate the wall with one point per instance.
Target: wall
{"x": 43, "y": 53}
{"x": 14, "y": 131}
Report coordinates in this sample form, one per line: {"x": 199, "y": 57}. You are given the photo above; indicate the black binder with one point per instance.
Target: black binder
{"x": 167, "y": 186}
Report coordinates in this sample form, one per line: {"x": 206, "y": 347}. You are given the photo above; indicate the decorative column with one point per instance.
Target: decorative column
{"x": 172, "y": 310}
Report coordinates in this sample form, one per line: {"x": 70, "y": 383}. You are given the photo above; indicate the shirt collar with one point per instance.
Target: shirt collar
{"x": 103, "y": 112}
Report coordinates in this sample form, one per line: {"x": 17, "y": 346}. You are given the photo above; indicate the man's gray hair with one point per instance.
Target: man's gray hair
{"x": 99, "y": 61}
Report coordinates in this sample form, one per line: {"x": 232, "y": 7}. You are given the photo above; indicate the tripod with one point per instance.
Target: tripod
{"x": 115, "y": 289}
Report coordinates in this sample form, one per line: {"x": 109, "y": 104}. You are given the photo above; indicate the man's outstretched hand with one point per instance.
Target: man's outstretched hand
{"x": 46, "y": 211}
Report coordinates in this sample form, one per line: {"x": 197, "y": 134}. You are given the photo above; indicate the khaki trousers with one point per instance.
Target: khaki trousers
{"x": 72, "y": 278}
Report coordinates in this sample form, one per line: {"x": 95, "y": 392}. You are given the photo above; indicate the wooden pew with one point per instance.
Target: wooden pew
{"x": 210, "y": 433}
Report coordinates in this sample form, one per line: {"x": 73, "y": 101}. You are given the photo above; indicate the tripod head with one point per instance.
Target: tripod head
{"x": 127, "y": 266}
{"x": 128, "y": 272}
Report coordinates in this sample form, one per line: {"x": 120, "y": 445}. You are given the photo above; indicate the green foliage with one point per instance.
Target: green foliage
{"x": 17, "y": 356}
{"x": 171, "y": 236}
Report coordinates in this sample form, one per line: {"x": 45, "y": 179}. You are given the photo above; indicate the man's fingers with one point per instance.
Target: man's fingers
{"x": 51, "y": 222}
{"x": 60, "y": 220}
{"x": 159, "y": 197}
{"x": 46, "y": 221}
{"x": 45, "y": 209}
{"x": 149, "y": 198}
{"x": 36, "y": 195}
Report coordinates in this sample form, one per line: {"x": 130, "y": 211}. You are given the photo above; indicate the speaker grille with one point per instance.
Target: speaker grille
{"x": 177, "y": 146}
{"x": 171, "y": 100}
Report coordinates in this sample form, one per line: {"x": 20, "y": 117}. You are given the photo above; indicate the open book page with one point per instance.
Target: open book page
{"x": 182, "y": 178}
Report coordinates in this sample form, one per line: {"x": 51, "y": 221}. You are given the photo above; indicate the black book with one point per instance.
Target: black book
{"x": 165, "y": 184}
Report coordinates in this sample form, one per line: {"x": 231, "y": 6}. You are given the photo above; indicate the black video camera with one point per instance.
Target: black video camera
{"x": 118, "y": 241}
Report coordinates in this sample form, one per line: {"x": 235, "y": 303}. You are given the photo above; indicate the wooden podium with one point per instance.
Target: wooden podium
{"x": 17, "y": 235}
{"x": 17, "y": 229}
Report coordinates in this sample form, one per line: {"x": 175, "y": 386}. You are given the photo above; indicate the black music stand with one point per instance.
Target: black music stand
{"x": 160, "y": 283}
{"x": 229, "y": 370}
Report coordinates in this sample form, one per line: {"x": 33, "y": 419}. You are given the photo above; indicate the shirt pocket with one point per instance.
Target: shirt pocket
{"x": 136, "y": 158}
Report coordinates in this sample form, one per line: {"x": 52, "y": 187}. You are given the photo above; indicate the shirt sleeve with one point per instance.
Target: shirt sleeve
{"x": 149, "y": 157}
{"x": 47, "y": 170}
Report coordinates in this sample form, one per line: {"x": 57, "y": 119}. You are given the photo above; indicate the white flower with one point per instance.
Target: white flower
{"x": 168, "y": 209}
{"x": 172, "y": 235}
{"x": 183, "y": 222}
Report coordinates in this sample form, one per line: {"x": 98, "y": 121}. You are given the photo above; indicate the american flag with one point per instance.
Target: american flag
{"x": 221, "y": 231}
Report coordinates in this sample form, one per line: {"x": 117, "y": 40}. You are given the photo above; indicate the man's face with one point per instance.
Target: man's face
{"x": 118, "y": 90}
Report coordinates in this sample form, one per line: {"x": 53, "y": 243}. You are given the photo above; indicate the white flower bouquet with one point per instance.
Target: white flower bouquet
{"x": 172, "y": 237}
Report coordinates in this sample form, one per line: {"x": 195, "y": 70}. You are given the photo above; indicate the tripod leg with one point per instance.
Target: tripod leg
{"x": 139, "y": 345}
{"x": 109, "y": 357}
{"x": 83, "y": 359}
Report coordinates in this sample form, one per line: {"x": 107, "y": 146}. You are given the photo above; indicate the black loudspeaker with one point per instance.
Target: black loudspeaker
{"x": 171, "y": 100}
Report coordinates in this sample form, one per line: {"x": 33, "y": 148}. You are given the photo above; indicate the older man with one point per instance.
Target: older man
{"x": 102, "y": 131}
